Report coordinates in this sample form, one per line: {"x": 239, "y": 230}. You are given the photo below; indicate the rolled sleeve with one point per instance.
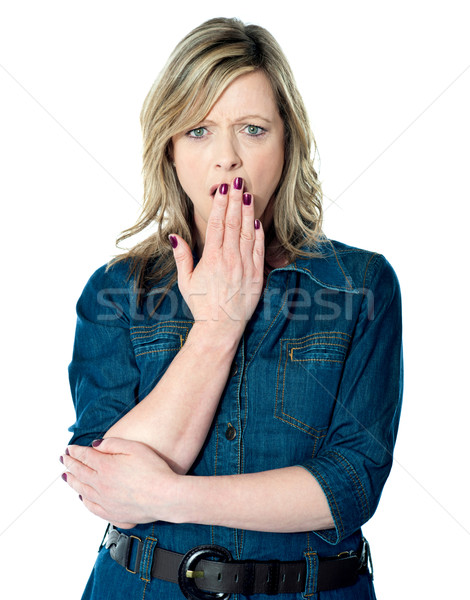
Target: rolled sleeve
{"x": 103, "y": 375}
{"x": 356, "y": 456}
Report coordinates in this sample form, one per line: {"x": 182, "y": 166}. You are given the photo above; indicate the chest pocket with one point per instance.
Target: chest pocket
{"x": 308, "y": 377}
{"x": 155, "y": 346}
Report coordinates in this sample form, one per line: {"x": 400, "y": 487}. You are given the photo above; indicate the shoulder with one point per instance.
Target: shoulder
{"x": 372, "y": 274}
{"x": 109, "y": 294}
{"x": 118, "y": 274}
{"x": 363, "y": 265}
{"x": 346, "y": 267}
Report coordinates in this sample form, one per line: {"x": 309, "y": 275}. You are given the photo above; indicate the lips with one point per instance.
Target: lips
{"x": 213, "y": 189}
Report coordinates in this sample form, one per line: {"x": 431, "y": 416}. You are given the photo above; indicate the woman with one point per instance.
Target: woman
{"x": 235, "y": 418}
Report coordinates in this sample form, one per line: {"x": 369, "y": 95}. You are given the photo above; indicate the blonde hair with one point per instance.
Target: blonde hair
{"x": 200, "y": 68}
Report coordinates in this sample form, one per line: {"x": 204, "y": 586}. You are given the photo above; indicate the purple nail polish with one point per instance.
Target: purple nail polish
{"x": 247, "y": 199}
{"x": 238, "y": 183}
{"x": 64, "y": 476}
{"x": 257, "y": 224}
{"x": 96, "y": 443}
{"x": 223, "y": 188}
{"x": 173, "y": 241}
{"x": 67, "y": 452}
{"x": 80, "y": 497}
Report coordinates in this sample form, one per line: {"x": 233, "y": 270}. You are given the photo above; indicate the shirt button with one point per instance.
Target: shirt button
{"x": 234, "y": 369}
{"x": 231, "y": 432}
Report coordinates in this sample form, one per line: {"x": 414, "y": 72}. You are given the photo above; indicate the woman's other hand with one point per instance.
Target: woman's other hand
{"x": 225, "y": 287}
{"x": 121, "y": 481}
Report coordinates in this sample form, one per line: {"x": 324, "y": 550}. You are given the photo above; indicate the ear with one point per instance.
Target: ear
{"x": 169, "y": 152}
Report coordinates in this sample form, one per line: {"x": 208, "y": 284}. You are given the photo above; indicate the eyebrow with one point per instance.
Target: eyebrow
{"x": 240, "y": 119}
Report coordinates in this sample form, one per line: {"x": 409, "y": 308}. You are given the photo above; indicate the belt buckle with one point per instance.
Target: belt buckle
{"x": 129, "y": 552}
{"x": 366, "y": 557}
{"x": 187, "y": 574}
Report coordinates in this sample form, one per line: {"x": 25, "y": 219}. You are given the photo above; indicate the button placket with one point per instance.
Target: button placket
{"x": 230, "y": 432}
{"x": 233, "y": 369}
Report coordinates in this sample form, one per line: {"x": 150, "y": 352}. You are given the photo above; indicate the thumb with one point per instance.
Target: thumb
{"x": 184, "y": 260}
{"x": 112, "y": 445}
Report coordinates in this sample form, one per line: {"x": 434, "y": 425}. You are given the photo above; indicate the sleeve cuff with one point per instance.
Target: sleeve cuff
{"x": 344, "y": 492}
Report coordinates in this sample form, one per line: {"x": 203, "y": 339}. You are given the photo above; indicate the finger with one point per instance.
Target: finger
{"x": 216, "y": 221}
{"x": 82, "y": 489}
{"x": 98, "y": 510}
{"x": 183, "y": 259}
{"x": 247, "y": 233}
{"x": 82, "y": 454}
{"x": 258, "y": 249}
{"x": 78, "y": 471}
{"x": 114, "y": 445}
{"x": 84, "y": 462}
{"x": 233, "y": 218}
{"x": 125, "y": 525}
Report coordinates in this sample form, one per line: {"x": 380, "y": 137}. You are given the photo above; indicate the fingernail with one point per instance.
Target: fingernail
{"x": 257, "y": 224}
{"x": 96, "y": 443}
{"x": 173, "y": 242}
{"x": 238, "y": 183}
{"x": 223, "y": 188}
{"x": 61, "y": 459}
{"x": 247, "y": 199}
{"x": 67, "y": 452}
{"x": 64, "y": 476}
{"x": 80, "y": 497}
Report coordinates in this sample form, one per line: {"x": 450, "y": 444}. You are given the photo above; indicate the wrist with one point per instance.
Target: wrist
{"x": 211, "y": 336}
{"x": 164, "y": 499}
{"x": 200, "y": 499}
{"x": 179, "y": 499}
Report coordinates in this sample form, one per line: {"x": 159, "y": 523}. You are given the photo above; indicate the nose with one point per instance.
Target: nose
{"x": 226, "y": 153}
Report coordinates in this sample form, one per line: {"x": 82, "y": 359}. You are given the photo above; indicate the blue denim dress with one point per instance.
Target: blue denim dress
{"x": 316, "y": 381}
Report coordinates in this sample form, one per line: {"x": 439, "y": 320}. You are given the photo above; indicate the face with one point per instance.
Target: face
{"x": 242, "y": 136}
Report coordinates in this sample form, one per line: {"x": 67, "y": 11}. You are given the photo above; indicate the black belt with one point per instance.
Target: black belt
{"x": 195, "y": 571}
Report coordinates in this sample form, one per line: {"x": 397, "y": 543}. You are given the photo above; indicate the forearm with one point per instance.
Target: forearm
{"x": 175, "y": 416}
{"x": 282, "y": 500}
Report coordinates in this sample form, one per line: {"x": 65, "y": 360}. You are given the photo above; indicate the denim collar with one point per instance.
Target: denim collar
{"x": 327, "y": 269}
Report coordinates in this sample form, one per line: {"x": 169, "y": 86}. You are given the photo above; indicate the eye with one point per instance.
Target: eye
{"x": 197, "y": 133}
{"x": 254, "y": 130}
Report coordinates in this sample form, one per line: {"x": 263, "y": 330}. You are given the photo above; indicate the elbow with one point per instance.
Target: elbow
{"x": 352, "y": 489}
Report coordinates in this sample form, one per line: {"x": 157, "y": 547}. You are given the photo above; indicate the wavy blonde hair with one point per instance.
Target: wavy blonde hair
{"x": 198, "y": 71}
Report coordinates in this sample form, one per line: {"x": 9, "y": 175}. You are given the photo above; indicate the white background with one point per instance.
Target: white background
{"x": 387, "y": 88}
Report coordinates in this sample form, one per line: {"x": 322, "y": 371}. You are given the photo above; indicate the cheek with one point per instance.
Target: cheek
{"x": 191, "y": 170}
{"x": 186, "y": 172}
{"x": 186, "y": 165}
{"x": 269, "y": 172}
